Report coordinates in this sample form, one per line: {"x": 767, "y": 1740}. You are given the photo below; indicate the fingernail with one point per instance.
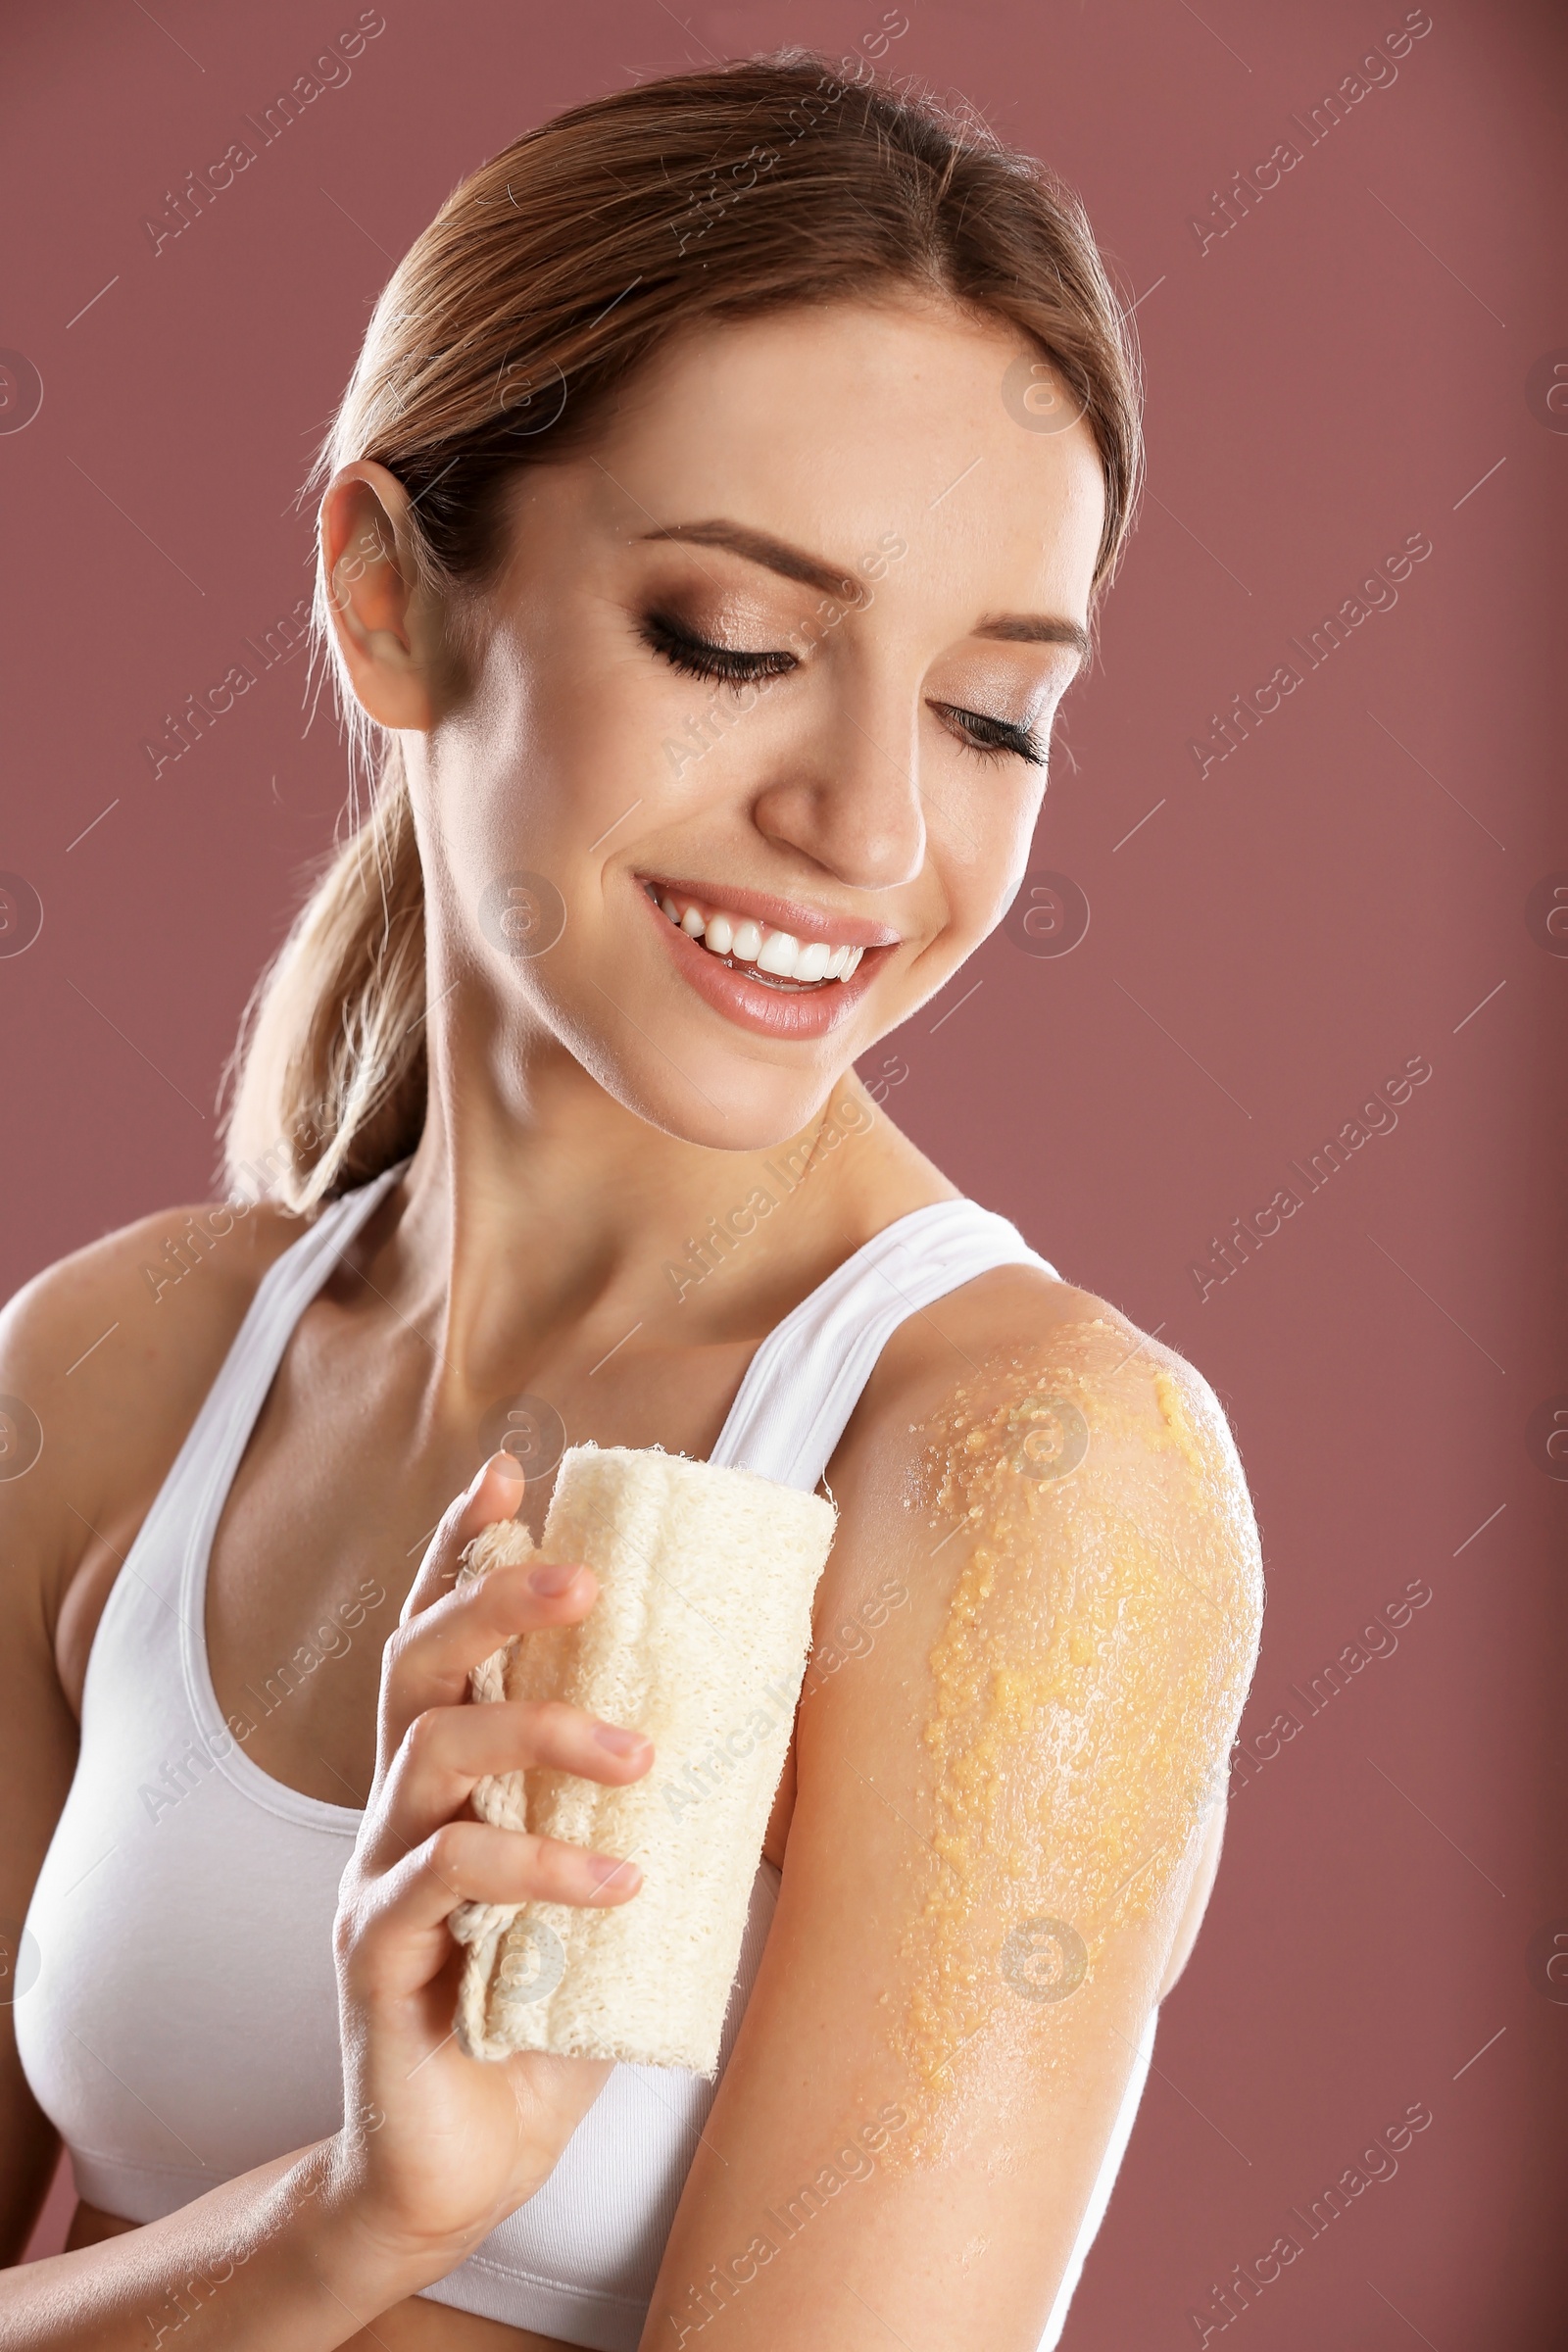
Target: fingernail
{"x": 605, "y": 1867}
{"x": 507, "y": 1464}
{"x": 619, "y": 1743}
{"x": 550, "y": 1578}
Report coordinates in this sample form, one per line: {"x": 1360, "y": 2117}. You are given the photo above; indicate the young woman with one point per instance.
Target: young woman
{"x": 712, "y": 524}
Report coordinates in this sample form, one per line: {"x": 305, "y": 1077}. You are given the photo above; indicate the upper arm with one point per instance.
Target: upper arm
{"x": 50, "y": 1495}
{"x": 1000, "y": 1826}
{"x": 103, "y": 1359}
{"x": 1198, "y": 1893}
{"x": 37, "y": 1731}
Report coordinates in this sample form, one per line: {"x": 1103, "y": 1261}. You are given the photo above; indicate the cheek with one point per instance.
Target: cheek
{"x": 980, "y": 824}
{"x": 565, "y": 717}
{"x": 1006, "y": 833}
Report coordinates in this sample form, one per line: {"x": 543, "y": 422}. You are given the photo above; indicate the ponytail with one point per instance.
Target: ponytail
{"x": 330, "y": 1063}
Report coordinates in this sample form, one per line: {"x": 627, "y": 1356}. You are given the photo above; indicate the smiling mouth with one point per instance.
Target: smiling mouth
{"x": 775, "y": 959}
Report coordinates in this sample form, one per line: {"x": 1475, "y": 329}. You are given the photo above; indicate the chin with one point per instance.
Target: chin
{"x": 742, "y": 1106}
{"x": 698, "y": 1089}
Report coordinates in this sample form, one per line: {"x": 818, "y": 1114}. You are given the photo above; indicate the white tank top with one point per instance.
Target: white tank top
{"x": 184, "y": 1888}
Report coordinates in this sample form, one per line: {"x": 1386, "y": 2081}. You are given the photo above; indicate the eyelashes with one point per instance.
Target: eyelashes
{"x": 988, "y": 738}
{"x": 995, "y": 738}
{"x": 695, "y": 657}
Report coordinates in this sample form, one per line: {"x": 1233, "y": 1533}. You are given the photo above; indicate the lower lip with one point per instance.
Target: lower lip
{"x": 752, "y": 1004}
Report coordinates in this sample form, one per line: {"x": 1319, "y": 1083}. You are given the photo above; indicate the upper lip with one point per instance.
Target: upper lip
{"x": 802, "y": 923}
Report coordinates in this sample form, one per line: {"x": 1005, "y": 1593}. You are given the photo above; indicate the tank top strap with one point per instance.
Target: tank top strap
{"x": 805, "y": 1379}
{"x": 206, "y": 1464}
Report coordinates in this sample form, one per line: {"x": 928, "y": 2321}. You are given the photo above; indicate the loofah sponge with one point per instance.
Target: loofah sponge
{"x": 699, "y": 1638}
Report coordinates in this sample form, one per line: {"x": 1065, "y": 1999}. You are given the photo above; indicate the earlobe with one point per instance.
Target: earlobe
{"x": 371, "y": 591}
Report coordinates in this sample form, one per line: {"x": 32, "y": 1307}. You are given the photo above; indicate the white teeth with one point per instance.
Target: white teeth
{"x": 779, "y": 953}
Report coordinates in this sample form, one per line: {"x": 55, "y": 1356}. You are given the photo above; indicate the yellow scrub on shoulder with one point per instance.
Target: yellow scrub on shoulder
{"x": 1099, "y": 1637}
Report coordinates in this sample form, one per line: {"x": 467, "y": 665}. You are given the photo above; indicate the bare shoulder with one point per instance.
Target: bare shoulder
{"x": 1020, "y": 1312}
{"x": 1022, "y": 1370}
{"x": 1061, "y": 1499}
{"x": 1015, "y": 1338}
{"x": 104, "y": 1360}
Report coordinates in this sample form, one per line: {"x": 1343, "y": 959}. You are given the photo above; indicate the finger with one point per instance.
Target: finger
{"x": 446, "y": 1750}
{"x": 427, "y": 1663}
{"x": 494, "y": 1493}
{"x": 388, "y": 1944}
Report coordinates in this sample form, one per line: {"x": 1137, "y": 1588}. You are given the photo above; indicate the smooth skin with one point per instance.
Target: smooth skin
{"x": 590, "y": 1109}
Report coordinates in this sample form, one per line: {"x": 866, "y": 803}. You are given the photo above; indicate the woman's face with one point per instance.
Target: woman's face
{"x": 778, "y": 659}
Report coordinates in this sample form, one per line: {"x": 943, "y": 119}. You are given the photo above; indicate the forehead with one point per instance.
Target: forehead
{"x": 835, "y": 424}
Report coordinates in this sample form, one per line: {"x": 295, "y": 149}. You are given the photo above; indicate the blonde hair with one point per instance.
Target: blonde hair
{"x": 544, "y": 280}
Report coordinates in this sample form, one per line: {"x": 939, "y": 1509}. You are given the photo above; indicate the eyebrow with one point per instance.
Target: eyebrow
{"x": 794, "y": 563}
{"x": 1034, "y": 628}
{"x": 760, "y": 547}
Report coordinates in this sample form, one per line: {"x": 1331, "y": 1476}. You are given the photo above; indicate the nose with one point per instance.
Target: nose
{"x": 846, "y": 793}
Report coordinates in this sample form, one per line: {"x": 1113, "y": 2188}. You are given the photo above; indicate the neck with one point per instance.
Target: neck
{"x": 597, "y": 1222}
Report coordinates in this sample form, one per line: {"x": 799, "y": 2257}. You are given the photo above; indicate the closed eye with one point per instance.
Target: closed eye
{"x": 992, "y": 738}
{"x": 699, "y": 658}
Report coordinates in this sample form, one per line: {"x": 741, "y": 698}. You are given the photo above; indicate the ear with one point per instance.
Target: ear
{"x": 383, "y": 623}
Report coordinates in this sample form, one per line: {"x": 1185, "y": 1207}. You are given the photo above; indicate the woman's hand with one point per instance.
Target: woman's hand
{"x": 438, "y": 2147}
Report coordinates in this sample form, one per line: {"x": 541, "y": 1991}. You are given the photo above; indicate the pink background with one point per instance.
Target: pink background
{"x": 1350, "y": 366}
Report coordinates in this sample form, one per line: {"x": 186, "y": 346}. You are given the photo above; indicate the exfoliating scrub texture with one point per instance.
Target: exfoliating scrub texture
{"x": 698, "y": 1638}
{"x": 1084, "y": 1692}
